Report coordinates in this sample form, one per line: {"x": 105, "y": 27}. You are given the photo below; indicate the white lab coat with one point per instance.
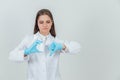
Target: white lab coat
{"x": 41, "y": 66}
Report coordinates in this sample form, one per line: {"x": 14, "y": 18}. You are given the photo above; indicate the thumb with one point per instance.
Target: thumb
{"x": 51, "y": 53}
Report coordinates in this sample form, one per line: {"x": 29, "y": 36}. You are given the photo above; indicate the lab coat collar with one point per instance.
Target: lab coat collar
{"x": 38, "y": 34}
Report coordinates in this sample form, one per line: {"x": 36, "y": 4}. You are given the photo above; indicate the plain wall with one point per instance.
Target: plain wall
{"x": 95, "y": 24}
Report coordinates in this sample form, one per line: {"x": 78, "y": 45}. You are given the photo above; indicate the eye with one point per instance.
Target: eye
{"x": 41, "y": 22}
{"x": 47, "y": 21}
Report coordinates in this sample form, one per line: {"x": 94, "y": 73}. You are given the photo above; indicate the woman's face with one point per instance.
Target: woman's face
{"x": 44, "y": 23}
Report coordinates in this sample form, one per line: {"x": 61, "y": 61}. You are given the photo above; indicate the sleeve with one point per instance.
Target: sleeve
{"x": 72, "y": 47}
{"x": 17, "y": 54}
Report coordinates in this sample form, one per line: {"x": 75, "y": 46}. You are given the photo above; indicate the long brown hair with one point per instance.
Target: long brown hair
{"x": 45, "y": 12}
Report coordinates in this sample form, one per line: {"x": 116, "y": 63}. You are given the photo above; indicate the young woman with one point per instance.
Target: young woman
{"x": 42, "y": 49}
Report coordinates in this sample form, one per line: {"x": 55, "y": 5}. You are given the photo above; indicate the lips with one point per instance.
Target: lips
{"x": 45, "y": 28}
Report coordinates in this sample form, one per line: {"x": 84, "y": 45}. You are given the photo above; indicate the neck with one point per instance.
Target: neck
{"x": 43, "y": 33}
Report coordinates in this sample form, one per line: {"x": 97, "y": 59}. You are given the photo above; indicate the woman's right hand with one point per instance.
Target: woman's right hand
{"x": 33, "y": 48}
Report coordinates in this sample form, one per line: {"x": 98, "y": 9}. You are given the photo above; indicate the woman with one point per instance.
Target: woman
{"x": 42, "y": 49}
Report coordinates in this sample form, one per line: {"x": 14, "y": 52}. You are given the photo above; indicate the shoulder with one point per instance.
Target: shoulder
{"x": 57, "y": 39}
{"x": 28, "y": 37}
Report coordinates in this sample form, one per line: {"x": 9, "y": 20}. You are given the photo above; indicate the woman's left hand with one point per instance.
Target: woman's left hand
{"x": 54, "y": 46}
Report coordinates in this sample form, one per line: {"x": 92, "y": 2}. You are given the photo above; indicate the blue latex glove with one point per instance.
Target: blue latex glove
{"x": 32, "y": 48}
{"x": 54, "y": 46}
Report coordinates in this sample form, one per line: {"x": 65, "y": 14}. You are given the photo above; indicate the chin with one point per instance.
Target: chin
{"x": 46, "y": 32}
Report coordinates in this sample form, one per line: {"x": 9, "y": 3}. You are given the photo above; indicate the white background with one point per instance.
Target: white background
{"x": 95, "y": 24}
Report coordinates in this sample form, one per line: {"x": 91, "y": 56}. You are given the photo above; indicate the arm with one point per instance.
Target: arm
{"x": 17, "y": 54}
{"x": 71, "y": 47}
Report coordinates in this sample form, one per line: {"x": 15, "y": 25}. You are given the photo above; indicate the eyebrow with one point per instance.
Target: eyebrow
{"x": 43, "y": 20}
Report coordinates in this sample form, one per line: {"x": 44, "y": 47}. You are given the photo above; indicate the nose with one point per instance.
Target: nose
{"x": 44, "y": 24}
